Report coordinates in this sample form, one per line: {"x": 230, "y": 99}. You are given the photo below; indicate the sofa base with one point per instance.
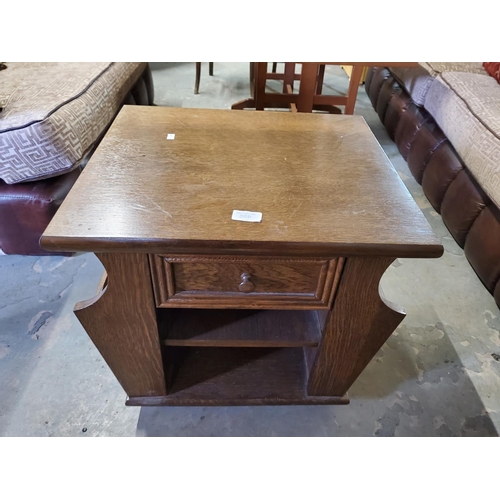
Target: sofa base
{"x": 27, "y": 208}
{"x": 469, "y": 214}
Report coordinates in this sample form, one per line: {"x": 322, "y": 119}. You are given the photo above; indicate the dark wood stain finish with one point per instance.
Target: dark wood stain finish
{"x": 356, "y": 327}
{"x": 121, "y": 321}
{"x": 220, "y": 281}
{"x": 238, "y": 328}
{"x": 323, "y": 183}
{"x": 198, "y": 309}
{"x": 214, "y": 376}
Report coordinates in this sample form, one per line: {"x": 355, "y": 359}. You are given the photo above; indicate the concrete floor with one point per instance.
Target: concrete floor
{"x": 436, "y": 375}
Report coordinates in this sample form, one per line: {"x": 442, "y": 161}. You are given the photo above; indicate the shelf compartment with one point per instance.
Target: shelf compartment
{"x": 238, "y": 328}
{"x": 218, "y": 376}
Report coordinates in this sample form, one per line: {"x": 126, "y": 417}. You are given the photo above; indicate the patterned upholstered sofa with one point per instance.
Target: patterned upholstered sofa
{"x": 53, "y": 117}
{"x": 445, "y": 120}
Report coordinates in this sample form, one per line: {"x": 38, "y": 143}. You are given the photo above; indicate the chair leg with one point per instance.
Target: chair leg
{"x": 197, "y": 80}
{"x": 352, "y": 92}
{"x": 289, "y": 77}
{"x": 275, "y": 67}
{"x": 260, "y": 85}
{"x": 308, "y": 85}
{"x": 211, "y": 68}
{"x": 321, "y": 76}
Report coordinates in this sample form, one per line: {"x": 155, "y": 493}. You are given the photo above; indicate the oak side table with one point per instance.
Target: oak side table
{"x": 201, "y": 309}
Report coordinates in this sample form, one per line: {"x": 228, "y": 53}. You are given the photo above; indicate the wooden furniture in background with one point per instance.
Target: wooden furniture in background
{"x": 198, "y": 75}
{"x": 310, "y": 97}
{"x": 199, "y": 309}
{"x": 289, "y": 76}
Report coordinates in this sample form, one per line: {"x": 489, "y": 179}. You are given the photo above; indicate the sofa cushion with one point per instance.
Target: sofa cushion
{"x": 467, "y": 108}
{"x": 417, "y": 80}
{"x": 54, "y": 112}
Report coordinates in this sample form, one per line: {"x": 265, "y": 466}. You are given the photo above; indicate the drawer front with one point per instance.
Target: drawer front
{"x": 197, "y": 281}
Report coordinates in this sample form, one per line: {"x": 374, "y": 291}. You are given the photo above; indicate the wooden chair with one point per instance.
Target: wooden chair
{"x": 288, "y": 76}
{"x": 261, "y": 99}
{"x": 198, "y": 75}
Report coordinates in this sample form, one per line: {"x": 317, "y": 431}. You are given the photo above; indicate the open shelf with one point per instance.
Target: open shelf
{"x": 238, "y": 328}
{"x": 225, "y": 357}
{"x": 215, "y": 376}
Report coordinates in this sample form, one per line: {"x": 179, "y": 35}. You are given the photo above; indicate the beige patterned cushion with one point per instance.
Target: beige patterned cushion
{"x": 467, "y": 108}
{"x": 54, "y": 112}
{"x": 418, "y": 80}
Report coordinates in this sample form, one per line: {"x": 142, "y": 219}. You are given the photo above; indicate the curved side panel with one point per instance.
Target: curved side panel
{"x": 121, "y": 321}
{"x": 357, "y": 326}
{"x": 391, "y": 305}
{"x": 101, "y": 289}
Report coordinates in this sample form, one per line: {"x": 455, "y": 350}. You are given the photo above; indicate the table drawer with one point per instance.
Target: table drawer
{"x": 239, "y": 282}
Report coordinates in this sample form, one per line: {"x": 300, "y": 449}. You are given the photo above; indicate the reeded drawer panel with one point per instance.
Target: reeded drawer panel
{"x": 225, "y": 281}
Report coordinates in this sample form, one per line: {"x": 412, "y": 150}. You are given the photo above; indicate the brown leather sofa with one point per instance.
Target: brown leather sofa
{"x": 468, "y": 212}
{"x": 26, "y": 208}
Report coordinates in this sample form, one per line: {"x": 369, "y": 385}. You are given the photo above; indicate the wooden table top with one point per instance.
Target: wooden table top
{"x": 322, "y": 182}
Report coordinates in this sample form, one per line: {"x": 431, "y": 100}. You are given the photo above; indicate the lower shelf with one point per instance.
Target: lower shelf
{"x": 217, "y": 376}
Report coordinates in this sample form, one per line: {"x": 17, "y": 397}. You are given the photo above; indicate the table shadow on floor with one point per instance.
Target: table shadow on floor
{"x": 414, "y": 386}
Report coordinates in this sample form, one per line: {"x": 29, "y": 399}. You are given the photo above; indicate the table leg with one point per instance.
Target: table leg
{"x": 356, "y": 327}
{"x": 352, "y": 93}
{"x": 307, "y": 87}
{"x": 121, "y": 321}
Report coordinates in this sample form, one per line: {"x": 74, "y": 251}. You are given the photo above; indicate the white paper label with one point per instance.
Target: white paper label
{"x": 245, "y": 216}
{"x": 170, "y": 137}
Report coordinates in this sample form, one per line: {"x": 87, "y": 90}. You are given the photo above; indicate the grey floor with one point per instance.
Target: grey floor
{"x": 436, "y": 376}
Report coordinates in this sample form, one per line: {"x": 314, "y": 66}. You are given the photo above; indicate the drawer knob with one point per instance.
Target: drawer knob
{"x": 246, "y": 285}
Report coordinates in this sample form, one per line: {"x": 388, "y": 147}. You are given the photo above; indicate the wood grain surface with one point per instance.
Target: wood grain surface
{"x": 121, "y": 321}
{"x": 323, "y": 184}
{"x": 239, "y": 282}
{"x": 238, "y": 328}
{"x": 357, "y": 326}
{"x": 248, "y": 376}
